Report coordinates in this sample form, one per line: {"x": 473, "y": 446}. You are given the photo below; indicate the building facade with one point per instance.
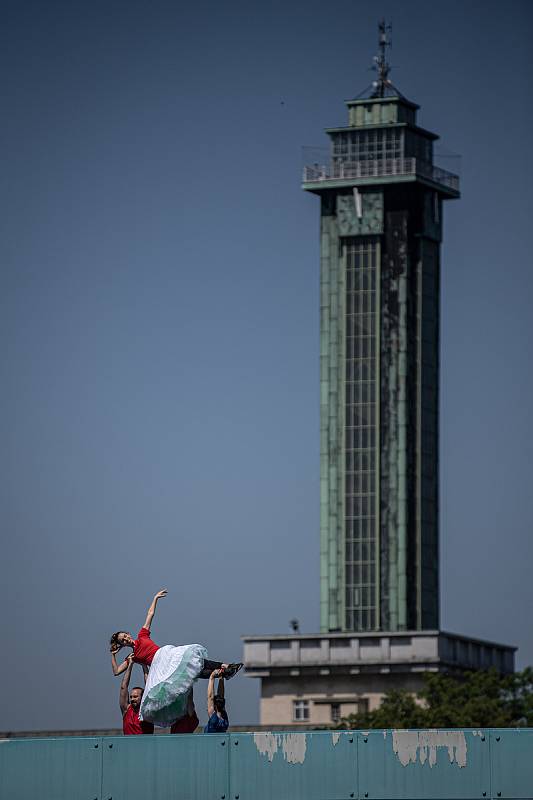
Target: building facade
{"x": 319, "y": 679}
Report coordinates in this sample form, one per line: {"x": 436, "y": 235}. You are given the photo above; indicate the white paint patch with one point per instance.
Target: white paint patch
{"x": 294, "y": 747}
{"x": 335, "y": 738}
{"x": 384, "y": 734}
{"x": 266, "y": 744}
{"x": 409, "y": 744}
{"x": 405, "y": 745}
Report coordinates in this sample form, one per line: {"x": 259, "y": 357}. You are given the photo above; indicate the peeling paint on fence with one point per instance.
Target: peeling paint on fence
{"x": 335, "y": 738}
{"x": 408, "y": 745}
{"x": 293, "y": 746}
{"x": 267, "y": 744}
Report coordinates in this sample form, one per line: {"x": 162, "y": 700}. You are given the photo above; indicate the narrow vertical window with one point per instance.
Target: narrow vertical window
{"x": 360, "y": 422}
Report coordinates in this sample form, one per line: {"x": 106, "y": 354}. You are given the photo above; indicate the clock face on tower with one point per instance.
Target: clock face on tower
{"x": 371, "y": 219}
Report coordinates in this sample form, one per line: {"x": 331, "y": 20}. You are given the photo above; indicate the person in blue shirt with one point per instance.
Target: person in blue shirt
{"x": 216, "y": 704}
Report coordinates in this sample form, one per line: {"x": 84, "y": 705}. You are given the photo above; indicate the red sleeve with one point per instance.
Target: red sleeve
{"x": 143, "y": 633}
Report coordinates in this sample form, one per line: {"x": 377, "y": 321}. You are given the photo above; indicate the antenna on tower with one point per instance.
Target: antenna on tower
{"x": 381, "y": 65}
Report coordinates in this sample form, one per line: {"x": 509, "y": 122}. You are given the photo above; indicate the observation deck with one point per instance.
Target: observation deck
{"x": 338, "y": 173}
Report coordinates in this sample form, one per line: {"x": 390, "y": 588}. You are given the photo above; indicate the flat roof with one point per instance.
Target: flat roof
{"x": 375, "y": 635}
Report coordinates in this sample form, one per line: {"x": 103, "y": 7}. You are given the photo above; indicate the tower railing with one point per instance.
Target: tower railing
{"x": 338, "y": 170}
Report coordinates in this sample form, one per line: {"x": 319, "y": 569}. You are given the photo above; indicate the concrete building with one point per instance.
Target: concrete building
{"x": 381, "y": 207}
{"x": 318, "y": 679}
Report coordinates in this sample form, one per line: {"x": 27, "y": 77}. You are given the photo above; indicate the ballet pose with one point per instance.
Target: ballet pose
{"x": 172, "y": 670}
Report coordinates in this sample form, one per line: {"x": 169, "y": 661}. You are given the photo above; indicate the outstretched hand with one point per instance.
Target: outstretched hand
{"x": 159, "y": 595}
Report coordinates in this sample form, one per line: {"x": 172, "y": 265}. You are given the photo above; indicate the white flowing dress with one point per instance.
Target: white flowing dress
{"x": 172, "y": 673}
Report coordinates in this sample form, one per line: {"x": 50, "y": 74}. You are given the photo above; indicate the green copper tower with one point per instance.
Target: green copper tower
{"x": 381, "y": 199}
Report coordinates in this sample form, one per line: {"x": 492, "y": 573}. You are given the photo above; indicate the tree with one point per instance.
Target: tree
{"x": 518, "y": 695}
{"x": 480, "y": 699}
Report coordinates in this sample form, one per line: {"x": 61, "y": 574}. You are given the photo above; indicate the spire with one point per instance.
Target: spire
{"x": 381, "y": 65}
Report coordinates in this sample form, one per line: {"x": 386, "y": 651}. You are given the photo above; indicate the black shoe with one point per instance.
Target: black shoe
{"x": 230, "y": 671}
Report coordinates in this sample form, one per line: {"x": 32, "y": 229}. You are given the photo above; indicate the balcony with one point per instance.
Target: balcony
{"x": 317, "y": 176}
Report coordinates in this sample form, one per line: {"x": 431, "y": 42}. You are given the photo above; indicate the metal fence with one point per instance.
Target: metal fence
{"x": 379, "y": 765}
{"x": 349, "y": 170}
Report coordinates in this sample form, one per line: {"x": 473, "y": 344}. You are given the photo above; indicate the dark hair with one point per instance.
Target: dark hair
{"x": 220, "y": 704}
{"x": 137, "y": 687}
{"x": 114, "y": 639}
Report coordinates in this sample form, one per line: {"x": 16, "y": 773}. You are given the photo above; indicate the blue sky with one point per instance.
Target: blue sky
{"x": 159, "y": 324}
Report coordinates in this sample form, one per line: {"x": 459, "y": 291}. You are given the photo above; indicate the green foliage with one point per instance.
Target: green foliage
{"x": 483, "y": 699}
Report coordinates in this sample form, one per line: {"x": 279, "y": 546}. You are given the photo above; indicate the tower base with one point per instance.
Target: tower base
{"x": 315, "y": 679}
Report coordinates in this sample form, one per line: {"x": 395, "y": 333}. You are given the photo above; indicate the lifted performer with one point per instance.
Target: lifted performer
{"x": 172, "y": 670}
{"x": 130, "y": 703}
{"x": 216, "y": 705}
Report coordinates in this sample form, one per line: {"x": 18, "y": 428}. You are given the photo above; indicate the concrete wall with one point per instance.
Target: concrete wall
{"x": 278, "y": 695}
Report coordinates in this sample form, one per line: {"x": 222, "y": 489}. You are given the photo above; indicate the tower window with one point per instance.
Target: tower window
{"x": 335, "y": 712}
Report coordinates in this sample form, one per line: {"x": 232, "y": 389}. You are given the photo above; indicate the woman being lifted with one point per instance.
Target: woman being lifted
{"x": 172, "y": 670}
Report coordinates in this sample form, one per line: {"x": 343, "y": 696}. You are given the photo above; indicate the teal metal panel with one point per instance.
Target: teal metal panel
{"x": 166, "y": 767}
{"x": 424, "y": 765}
{"x": 50, "y": 769}
{"x": 457, "y": 764}
{"x": 289, "y": 766}
{"x": 512, "y": 763}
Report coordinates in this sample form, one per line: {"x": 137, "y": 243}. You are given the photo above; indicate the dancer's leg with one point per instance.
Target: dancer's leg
{"x": 229, "y": 669}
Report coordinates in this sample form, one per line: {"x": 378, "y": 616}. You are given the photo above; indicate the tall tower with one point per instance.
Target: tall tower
{"x": 381, "y": 228}
{"x": 380, "y": 232}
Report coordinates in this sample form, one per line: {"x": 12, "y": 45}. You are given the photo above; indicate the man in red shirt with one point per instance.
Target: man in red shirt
{"x": 189, "y": 721}
{"x": 130, "y": 703}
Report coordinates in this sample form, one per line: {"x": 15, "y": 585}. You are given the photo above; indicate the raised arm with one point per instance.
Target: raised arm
{"x": 118, "y": 669}
{"x": 124, "y": 685}
{"x": 151, "y": 610}
{"x": 211, "y": 694}
{"x": 220, "y": 689}
{"x": 146, "y": 670}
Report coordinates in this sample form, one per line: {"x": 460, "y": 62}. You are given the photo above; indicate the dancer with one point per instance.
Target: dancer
{"x": 216, "y": 705}
{"x": 130, "y": 703}
{"x": 172, "y": 670}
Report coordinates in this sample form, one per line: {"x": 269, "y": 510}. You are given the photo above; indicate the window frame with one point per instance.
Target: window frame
{"x": 300, "y": 705}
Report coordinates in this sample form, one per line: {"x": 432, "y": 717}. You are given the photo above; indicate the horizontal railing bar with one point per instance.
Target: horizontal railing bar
{"x": 377, "y": 168}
